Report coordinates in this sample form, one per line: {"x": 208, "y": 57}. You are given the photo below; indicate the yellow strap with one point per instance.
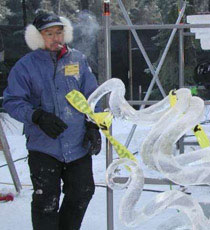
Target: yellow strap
{"x": 103, "y": 120}
{"x": 201, "y": 136}
{"x": 172, "y": 97}
{"x": 198, "y": 130}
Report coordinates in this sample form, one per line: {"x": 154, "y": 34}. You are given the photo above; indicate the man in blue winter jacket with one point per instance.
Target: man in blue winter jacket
{"x": 60, "y": 141}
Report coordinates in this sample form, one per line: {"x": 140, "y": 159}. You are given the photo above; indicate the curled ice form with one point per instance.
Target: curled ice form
{"x": 177, "y": 222}
{"x": 169, "y": 124}
{"x": 121, "y": 108}
{"x": 191, "y": 168}
{"x": 194, "y": 216}
{"x": 162, "y": 125}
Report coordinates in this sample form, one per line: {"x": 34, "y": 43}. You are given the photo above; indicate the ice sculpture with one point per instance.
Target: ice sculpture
{"x": 121, "y": 108}
{"x": 170, "y": 199}
{"x": 169, "y": 124}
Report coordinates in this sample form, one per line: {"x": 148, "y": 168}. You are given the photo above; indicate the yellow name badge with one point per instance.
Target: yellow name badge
{"x": 72, "y": 69}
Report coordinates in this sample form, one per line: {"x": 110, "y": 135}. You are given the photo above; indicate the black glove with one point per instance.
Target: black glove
{"x": 49, "y": 123}
{"x": 93, "y": 137}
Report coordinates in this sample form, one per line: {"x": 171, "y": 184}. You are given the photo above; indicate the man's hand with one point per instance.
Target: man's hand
{"x": 49, "y": 123}
{"x": 92, "y": 138}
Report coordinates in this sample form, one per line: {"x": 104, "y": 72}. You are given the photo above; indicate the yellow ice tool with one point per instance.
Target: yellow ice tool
{"x": 103, "y": 120}
{"x": 198, "y": 130}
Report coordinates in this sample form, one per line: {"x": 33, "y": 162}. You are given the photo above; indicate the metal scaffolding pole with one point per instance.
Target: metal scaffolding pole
{"x": 109, "y": 153}
{"x": 181, "y": 73}
{"x": 133, "y": 28}
{"x": 157, "y": 70}
{"x": 140, "y": 45}
{"x": 181, "y": 58}
{"x": 130, "y": 71}
{"x": 159, "y": 27}
{"x": 9, "y": 160}
{"x": 155, "y": 73}
{"x": 181, "y": 55}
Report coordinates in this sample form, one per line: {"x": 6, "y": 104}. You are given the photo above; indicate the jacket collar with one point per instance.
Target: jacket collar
{"x": 46, "y": 54}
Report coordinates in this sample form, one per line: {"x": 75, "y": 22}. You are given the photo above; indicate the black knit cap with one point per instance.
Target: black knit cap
{"x": 46, "y": 20}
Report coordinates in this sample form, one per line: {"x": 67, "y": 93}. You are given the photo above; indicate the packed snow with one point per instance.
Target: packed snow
{"x": 16, "y": 214}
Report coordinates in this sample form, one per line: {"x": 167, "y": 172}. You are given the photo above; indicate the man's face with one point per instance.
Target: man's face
{"x": 53, "y": 38}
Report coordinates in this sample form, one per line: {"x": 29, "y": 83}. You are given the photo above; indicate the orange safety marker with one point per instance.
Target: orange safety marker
{"x": 106, "y": 8}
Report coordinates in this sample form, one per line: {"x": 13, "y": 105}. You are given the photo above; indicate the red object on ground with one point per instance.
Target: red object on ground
{"x": 6, "y": 197}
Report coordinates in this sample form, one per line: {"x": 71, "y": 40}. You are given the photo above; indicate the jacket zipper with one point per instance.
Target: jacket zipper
{"x": 55, "y": 63}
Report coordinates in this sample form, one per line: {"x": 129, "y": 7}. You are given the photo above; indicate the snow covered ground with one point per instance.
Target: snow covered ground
{"x": 16, "y": 215}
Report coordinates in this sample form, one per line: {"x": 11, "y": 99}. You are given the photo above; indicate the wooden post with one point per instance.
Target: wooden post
{"x": 24, "y": 13}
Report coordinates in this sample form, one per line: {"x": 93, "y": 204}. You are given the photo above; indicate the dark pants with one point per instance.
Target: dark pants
{"x": 78, "y": 187}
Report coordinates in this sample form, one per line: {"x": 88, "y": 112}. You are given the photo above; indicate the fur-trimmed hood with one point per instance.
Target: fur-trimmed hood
{"x": 34, "y": 38}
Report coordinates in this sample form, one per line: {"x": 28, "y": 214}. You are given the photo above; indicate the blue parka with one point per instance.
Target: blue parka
{"x": 38, "y": 80}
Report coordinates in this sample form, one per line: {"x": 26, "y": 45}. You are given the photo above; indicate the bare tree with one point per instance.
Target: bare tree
{"x": 46, "y": 5}
{"x": 59, "y": 7}
{"x": 4, "y": 11}
{"x": 24, "y": 13}
{"x": 84, "y": 4}
{"x": 96, "y": 8}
